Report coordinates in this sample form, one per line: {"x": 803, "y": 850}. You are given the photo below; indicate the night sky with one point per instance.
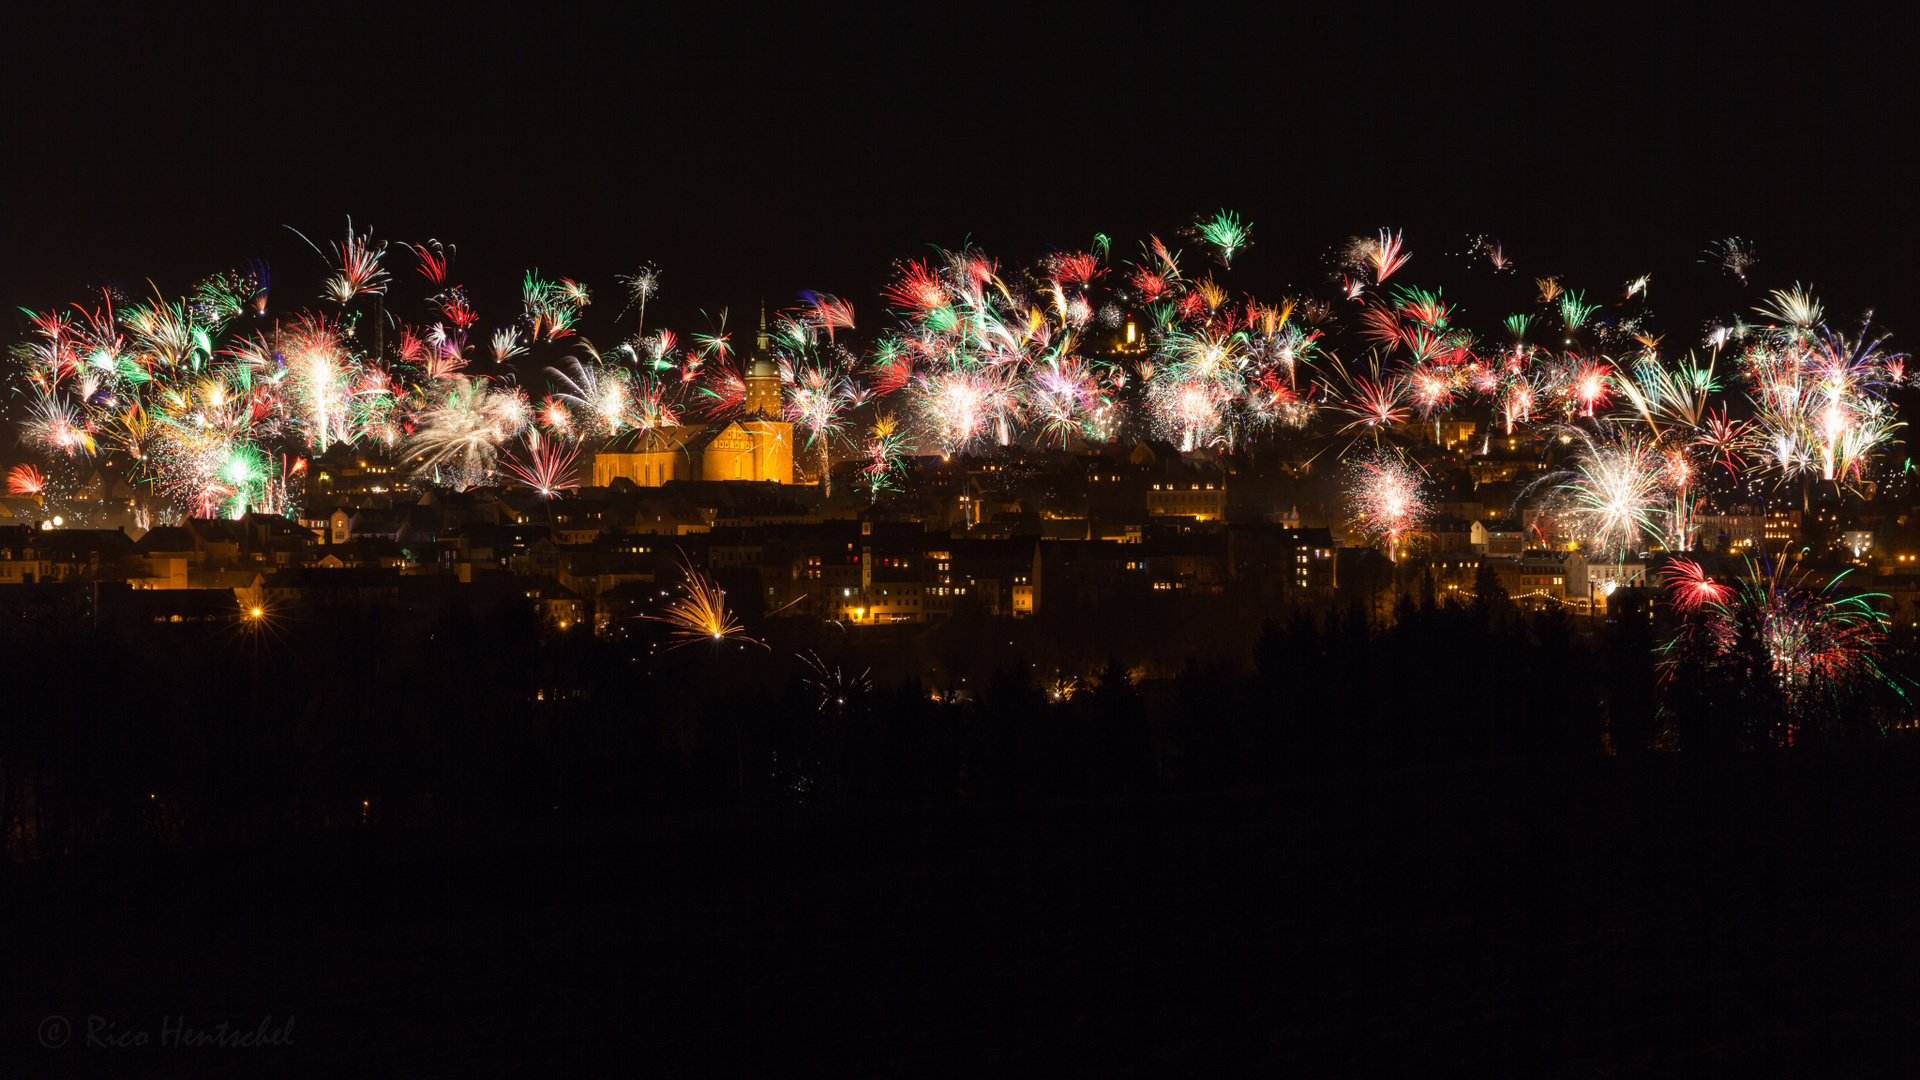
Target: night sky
{"x": 752, "y": 155}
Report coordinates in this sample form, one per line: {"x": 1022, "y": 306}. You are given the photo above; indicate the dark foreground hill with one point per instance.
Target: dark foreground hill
{"x": 1757, "y": 916}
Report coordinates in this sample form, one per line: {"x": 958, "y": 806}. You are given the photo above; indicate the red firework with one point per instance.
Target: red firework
{"x": 1078, "y": 268}
{"x": 918, "y": 287}
{"x": 829, "y": 312}
{"x": 458, "y": 310}
{"x": 26, "y": 480}
{"x": 1690, "y": 586}
{"x": 1592, "y": 385}
{"x": 1379, "y": 325}
{"x": 548, "y": 468}
{"x": 1386, "y": 256}
{"x": 1151, "y": 285}
{"x": 433, "y": 261}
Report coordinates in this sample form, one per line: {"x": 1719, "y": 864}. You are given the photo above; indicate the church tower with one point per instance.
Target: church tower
{"x": 756, "y": 446}
{"x": 763, "y": 378}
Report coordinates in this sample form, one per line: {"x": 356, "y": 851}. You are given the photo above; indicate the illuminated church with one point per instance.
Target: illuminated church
{"x": 758, "y": 445}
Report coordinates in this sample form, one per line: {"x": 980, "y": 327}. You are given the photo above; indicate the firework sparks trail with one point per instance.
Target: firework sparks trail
{"x": 884, "y": 450}
{"x": 1733, "y": 255}
{"x": 359, "y": 271}
{"x": 701, "y": 614}
{"x": 1386, "y": 256}
{"x": 642, "y": 285}
{"x": 1375, "y": 403}
{"x": 820, "y": 389}
{"x": 26, "y": 480}
{"x": 1226, "y": 233}
{"x": 548, "y": 467}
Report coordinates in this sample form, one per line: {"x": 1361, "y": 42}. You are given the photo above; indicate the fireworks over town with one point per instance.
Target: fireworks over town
{"x": 218, "y": 402}
{"x": 682, "y": 540}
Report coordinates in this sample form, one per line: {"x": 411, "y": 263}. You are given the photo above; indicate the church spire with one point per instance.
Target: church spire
{"x": 763, "y": 378}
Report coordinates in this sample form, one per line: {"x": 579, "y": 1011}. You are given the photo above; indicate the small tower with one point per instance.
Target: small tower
{"x": 763, "y": 377}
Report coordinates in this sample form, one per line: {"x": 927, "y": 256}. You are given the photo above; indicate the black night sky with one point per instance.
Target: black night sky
{"x": 751, "y": 154}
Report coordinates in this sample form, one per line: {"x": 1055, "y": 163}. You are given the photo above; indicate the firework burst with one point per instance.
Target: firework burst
{"x": 26, "y": 480}
{"x": 1808, "y": 643}
{"x": 701, "y": 613}
{"x": 548, "y": 466}
{"x": 1386, "y": 496}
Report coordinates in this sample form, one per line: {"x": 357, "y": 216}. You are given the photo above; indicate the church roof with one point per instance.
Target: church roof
{"x": 685, "y": 438}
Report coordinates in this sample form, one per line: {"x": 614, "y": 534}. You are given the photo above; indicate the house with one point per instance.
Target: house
{"x": 1502, "y": 537}
{"x": 169, "y": 552}
{"x": 147, "y": 608}
{"x": 1202, "y": 500}
{"x": 353, "y": 471}
{"x": 173, "y": 554}
{"x": 88, "y": 555}
{"x": 497, "y": 548}
{"x": 1782, "y": 529}
{"x": 1463, "y": 503}
{"x": 1741, "y": 530}
{"x": 217, "y": 540}
{"x": 364, "y": 550}
{"x": 280, "y": 541}
{"x": 1455, "y": 573}
{"x": 618, "y": 607}
{"x": 1542, "y": 576}
{"x": 23, "y": 561}
{"x": 1604, "y": 579}
{"x": 1446, "y": 534}
{"x": 609, "y": 562}
{"x": 248, "y": 586}
{"x": 559, "y": 606}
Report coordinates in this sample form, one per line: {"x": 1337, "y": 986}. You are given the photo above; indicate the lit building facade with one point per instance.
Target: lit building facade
{"x": 1201, "y": 500}
{"x": 756, "y": 446}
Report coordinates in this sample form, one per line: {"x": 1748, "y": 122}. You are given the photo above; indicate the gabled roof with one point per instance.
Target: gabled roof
{"x": 68, "y": 541}
{"x": 275, "y": 527}
{"x": 685, "y": 438}
{"x": 216, "y": 530}
{"x": 164, "y": 538}
{"x": 1156, "y": 451}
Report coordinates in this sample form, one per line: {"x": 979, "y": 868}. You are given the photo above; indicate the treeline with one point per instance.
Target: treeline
{"x": 335, "y": 719}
